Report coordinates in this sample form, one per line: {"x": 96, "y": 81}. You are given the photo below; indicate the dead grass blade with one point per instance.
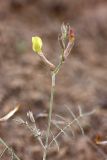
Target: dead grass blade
{"x": 10, "y": 114}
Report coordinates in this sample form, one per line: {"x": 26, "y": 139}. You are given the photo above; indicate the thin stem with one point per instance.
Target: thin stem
{"x": 46, "y": 61}
{"x": 9, "y": 149}
{"x": 59, "y": 65}
{"x": 68, "y": 125}
{"x": 54, "y": 73}
{"x": 76, "y": 119}
{"x": 49, "y": 116}
{"x": 1, "y": 155}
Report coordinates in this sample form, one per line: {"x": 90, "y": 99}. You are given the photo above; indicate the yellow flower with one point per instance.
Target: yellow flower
{"x": 37, "y": 44}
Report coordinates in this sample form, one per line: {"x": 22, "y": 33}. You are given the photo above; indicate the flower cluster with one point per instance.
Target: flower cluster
{"x": 66, "y": 39}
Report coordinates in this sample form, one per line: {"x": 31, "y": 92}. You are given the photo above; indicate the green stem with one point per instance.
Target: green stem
{"x": 49, "y": 115}
{"x": 59, "y": 65}
{"x": 54, "y": 73}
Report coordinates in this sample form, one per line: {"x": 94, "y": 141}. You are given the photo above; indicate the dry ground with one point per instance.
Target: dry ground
{"x": 83, "y": 79}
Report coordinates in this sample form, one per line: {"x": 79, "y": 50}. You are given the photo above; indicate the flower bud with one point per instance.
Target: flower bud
{"x": 37, "y": 44}
{"x": 71, "y": 39}
{"x": 64, "y": 31}
{"x": 71, "y": 35}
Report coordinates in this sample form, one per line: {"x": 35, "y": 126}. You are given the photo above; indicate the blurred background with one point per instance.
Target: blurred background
{"x": 25, "y": 80}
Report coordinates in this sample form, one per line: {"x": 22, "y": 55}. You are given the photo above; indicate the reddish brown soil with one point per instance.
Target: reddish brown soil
{"x": 82, "y": 80}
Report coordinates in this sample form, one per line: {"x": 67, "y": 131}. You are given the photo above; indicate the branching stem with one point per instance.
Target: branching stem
{"x": 9, "y": 149}
{"x": 55, "y": 71}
